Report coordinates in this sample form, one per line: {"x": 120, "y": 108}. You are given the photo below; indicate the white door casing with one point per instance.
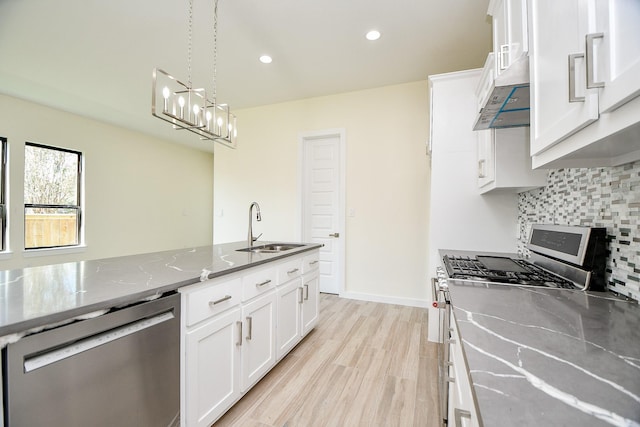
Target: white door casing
{"x": 322, "y": 200}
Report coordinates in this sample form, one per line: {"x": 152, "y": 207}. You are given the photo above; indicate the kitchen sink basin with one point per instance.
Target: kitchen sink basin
{"x": 271, "y": 248}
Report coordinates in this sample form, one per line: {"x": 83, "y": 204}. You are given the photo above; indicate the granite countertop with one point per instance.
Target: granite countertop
{"x": 550, "y": 357}
{"x": 37, "y": 296}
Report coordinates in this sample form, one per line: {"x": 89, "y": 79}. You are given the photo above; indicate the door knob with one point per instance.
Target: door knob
{"x": 334, "y": 235}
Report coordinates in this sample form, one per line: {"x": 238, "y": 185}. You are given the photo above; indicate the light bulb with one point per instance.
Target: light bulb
{"x": 181, "y": 104}
{"x": 196, "y": 114}
{"x": 165, "y": 95}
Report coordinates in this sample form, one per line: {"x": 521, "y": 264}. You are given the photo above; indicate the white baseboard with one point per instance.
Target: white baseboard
{"x": 410, "y": 302}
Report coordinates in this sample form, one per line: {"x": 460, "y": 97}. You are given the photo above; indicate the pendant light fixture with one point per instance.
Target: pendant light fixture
{"x": 189, "y": 108}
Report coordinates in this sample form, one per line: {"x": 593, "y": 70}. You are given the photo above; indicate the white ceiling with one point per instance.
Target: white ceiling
{"x": 95, "y": 57}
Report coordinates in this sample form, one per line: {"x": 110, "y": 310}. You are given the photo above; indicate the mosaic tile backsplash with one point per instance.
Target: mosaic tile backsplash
{"x": 593, "y": 197}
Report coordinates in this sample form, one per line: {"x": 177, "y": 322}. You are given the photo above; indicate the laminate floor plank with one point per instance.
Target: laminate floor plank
{"x": 365, "y": 364}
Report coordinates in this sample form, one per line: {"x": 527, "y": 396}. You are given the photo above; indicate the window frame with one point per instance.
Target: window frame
{"x": 78, "y": 207}
{"x": 3, "y": 194}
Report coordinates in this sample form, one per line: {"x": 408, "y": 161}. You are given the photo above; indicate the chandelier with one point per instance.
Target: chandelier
{"x": 189, "y": 108}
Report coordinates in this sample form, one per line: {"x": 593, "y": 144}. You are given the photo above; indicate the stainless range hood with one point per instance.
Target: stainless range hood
{"x": 504, "y": 98}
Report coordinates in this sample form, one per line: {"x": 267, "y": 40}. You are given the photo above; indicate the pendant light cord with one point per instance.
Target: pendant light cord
{"x": 215, "y": 49}
{"x": 190, "y": 43}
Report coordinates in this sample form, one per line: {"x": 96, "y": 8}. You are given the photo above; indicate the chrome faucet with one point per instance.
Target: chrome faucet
{"x": 250, "y": 238}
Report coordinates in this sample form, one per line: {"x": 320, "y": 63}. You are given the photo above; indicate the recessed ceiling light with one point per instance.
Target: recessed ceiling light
{"x": 266, "y": 59}
{"x": 373, "y": 35}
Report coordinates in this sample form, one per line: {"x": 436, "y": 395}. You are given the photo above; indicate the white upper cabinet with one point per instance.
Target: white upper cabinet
{"x": 585, "y": 79}
{"x": 510, "y": 38}
{"x": 561, "y": 103}
{"x": 616, "y": 52}
{"x": 504, "y": 163}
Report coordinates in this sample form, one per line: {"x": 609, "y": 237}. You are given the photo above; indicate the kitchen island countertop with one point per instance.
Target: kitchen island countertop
{"x": 38, "y": 296}
{"x": 552, "y": 357}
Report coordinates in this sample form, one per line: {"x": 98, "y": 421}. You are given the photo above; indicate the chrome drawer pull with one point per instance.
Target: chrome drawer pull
{"x": 223, "y": 299}
{"x": 250, "y": 332}
{"x": 292, "y": 271}
{"x": 572, "y": 78}
{"x": 266, "y": 282}
{"x": 314, "y": 262}
{"x": 458, "y": 414}
{"x": 591, "y": 83}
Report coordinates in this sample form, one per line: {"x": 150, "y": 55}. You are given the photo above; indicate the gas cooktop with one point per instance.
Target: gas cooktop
{"x": 497, "y": 269}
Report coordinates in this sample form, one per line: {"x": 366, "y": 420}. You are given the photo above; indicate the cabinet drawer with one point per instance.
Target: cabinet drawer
{"x": 213, "y": 299}
{"x": 289, "y": 270}
{"x": 258, "y": 282}
{"x": 311, "y": 262}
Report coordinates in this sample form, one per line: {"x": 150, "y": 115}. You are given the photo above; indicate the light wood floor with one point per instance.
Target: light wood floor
{"x": 365, "y": 364}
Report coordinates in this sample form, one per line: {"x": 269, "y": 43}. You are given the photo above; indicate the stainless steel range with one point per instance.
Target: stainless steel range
{"x": 561, "y": 257}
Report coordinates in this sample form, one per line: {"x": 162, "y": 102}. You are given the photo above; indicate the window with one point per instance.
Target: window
{"x": 3, "y": 192}
{"x": 52, "y": 209}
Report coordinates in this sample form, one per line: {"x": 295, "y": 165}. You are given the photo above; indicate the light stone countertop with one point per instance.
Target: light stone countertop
{"x": 551, "y": 357}
{"x": 38, "y": 296}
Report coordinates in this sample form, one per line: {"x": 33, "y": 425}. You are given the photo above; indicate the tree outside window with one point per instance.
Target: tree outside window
{"x": 51, "y": 197}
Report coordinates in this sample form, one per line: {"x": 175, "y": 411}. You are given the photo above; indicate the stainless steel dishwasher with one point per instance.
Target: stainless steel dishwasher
{"x": 119, "y": 369}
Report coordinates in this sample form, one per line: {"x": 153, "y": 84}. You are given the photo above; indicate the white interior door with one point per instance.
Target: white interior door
{"x": 322, "y": 198}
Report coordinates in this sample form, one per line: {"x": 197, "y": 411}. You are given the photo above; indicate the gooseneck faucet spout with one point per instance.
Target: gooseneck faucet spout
{"x": 250, "y": 238}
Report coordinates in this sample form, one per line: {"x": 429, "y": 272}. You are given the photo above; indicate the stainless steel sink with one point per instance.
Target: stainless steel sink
{"x": 271, "y": 248}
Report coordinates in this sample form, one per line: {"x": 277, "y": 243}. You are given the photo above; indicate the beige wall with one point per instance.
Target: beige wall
{"x": 142, "y": 194}
{"x": 387, "y": 183}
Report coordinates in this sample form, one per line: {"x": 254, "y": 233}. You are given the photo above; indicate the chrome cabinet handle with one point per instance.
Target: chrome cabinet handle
{"x": 223, "y": 299}
{"x": 572, "y": 78}
{"x": 334, "y": 235}
{"x": 292, "y": 271}
{"x": 300, "y": 300}
{"x": 306, "y": 292}
{"x": 504, "y": 50}
{"x": 458, "y": 414}
{"x": 239, "y": 342}
{"x": 266, "y": 282}
{"x": 250, "y": 328}
{"x": 314, "y": 262}
{"x": 481, "y": 172}
{"x": 590, "y": 59}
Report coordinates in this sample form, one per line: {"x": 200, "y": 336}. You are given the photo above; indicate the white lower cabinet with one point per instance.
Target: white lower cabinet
{"x": 462, "y": 411}
{"x": 289, "y": 324}
{"x": 259, "y": 340}
{"x": 236, "y": 327}
{"x": 212, "y": 367}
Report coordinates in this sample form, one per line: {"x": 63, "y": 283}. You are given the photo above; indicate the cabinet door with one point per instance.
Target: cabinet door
{"x": 288, "y": 324}
{"x": 555, "y": 112}
{"x": 486, "y": 156}
{"x": 617, "y": 52}
{"x": 500, "y": 36}
{"x": 517, "y": 33}
{"x": 310, "y": 301}
{"x": 212, "y": 367}
{"x": 259, "y": 341}
{"x": 510, "y": 38}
